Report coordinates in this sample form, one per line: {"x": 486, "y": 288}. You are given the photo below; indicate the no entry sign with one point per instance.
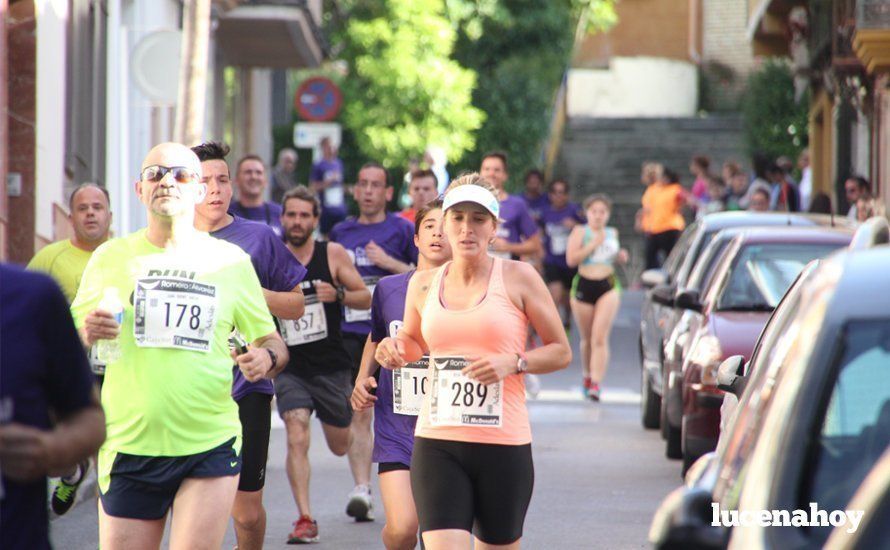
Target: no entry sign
{"x": 318, "y": 99}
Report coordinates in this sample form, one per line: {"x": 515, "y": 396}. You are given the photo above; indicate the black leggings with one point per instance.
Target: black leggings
{"x": 477, "y": 487}
{"x": 660, "y": 242}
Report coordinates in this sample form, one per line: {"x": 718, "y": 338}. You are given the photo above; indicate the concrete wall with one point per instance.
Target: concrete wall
{"x": 634, "y": 87}
{"x": 659, "y": 28}
{"x": 727, "y": 57}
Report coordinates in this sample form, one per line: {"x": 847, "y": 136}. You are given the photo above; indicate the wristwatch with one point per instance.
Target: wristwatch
{"x": 273, "y": 356}
{"x": 521, "y": 363}
{"x": 341, "y": 294}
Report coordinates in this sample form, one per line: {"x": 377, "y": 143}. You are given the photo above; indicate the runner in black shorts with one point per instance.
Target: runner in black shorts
{"x": 379, "y": 244}
{"x": 558, "y": 218}
{"x": 280, "y": 275}
{"x": 319, "y": 375}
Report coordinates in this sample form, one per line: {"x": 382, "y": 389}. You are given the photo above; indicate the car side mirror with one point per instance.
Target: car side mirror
{"x": 688, "y": 299}
{"x": 731, "y": 375}
{"x": 664, "y": 295}
{"x": 684, "y": 521}
{"x": 651, "y": 278}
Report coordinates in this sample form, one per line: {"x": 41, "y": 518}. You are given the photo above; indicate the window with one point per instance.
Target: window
{"x": 672, "y": 263}
{"x": 854, "y": 429}
{"x": 761, "y": 273}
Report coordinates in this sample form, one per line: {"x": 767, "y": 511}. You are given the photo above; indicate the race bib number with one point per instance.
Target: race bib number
{"x": 355, "y": 315}
{"x": 333, "y": 196}
{"x": 456, "y": 400}
{"x": 559, "y": 238}
{"x": 409, "y": 386}
{"x": 96, "y": 365}
{"x": 174, "y": 313}
{"x": 311, "y": 327}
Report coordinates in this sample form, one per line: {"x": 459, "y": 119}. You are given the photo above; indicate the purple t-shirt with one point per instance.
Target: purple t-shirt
{"x": 277, "y": 269}
{"x": 333, "y": 200}
{"x": 395, "y": 235}
{"x": 518, "y": 224}
{"x": 537, "y": 205}
{"x": 393, "y": 433}
{"x": 556, "y": 235}
{"x": 269, "y": 214}
{"x": 44, "y": 368}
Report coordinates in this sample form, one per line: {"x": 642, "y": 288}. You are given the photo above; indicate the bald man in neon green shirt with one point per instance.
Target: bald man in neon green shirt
{"x": 173, "y": 428}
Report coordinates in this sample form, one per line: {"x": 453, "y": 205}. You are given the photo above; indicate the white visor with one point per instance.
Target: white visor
{"x": 472, "y": 193}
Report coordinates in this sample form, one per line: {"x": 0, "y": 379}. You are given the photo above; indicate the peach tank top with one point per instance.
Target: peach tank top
{"x": 493, "y": 326}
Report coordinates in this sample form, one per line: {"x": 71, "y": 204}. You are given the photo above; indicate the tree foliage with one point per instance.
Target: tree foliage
{"x": 775, "y": 125}
{"x": 403, "y": 91}
{"x": 520, "y": 50}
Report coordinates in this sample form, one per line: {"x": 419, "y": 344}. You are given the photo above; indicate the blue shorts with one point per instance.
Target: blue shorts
{"x": 143, "y": 487}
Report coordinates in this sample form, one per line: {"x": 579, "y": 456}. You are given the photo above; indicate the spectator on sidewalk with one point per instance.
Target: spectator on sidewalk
{"x": 739, "y": 192}
{"x": 284, "y": 177}
{"x": 700, "y": 168}
{"x": 662, "y": 219}
{"x": 717, "y": 197}
{"x": 759, "y": 201}
{"x": 855, "y": 188}
{"x": 821, "y": 204}
{"x": 783, "y": 192}
{"x": 805, "y": 187}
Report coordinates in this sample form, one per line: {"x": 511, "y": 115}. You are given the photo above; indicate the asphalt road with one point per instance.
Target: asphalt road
{"x": 598, "y": 475}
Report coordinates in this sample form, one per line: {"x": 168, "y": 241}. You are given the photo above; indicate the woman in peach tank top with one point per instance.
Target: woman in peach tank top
{"x": 471, "y": 470}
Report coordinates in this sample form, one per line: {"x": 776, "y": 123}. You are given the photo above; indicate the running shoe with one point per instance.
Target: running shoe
{"x": 360, "y": 505}
{"x": 593, "y": 392}
{"x": 65, "y": 492}
{"x": 586, "y": 383}
{"x": 305, "y": 531}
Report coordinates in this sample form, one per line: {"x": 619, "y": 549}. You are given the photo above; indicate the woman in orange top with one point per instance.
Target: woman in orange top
{"x": 662, "y": 218}
{"x": 472, "y": 463}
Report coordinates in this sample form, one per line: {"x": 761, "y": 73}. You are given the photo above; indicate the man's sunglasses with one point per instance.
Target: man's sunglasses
{"x": 181, "y": 174}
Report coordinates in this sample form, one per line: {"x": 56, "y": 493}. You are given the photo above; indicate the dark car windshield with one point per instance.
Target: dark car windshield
{"x": 761, "y": 273}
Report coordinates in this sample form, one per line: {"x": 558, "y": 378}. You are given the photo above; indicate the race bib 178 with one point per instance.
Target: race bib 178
{"x": 174, "y": 313}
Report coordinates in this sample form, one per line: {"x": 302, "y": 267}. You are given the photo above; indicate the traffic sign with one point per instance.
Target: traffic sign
{"x": 318, "y": 99}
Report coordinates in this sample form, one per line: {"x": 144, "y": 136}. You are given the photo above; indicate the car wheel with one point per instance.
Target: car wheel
{"x": 650, "y": 403}
{"x": 673, "y": 442}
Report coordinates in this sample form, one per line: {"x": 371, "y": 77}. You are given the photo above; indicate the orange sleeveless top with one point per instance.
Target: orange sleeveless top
{"x": 493, "y": 326}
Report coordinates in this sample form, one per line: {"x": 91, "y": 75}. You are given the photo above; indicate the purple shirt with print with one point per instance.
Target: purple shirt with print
{"x": 393, "y": 433}
{"x": 556, "y": 233}
{"x": 395, "y": 235}
{"x": 518, "y": 224}
{"x": 536, "y": 206}
{"x": 277, "y": 269}
{"x": 332, "y": 198}
{"x": 268, "y": 213}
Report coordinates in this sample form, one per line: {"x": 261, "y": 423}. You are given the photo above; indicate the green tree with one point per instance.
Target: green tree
{"x": 403, "y": 92}
{"x": 520, "y": 50}
{"x": 775, "y": 125}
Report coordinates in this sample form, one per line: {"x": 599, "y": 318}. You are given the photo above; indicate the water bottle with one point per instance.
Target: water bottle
{"x": 109, "y": 351}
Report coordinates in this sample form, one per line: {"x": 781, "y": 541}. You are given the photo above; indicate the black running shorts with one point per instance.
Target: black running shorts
{"x": 458, "y": 485}
{"x": 144, "y": 487}
{"x": 557, "y": 273}
{"x": 590, "y": 291}
{"x": 326, "y": 394}
{"x": 255, "y": 411}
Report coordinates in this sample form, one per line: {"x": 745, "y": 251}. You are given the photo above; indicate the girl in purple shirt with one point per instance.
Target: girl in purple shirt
{"x": 397, "y": 394}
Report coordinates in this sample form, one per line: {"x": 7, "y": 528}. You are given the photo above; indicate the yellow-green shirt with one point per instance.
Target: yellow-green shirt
{"x": 64, "y": 262}
{"x": 173, "y": 397}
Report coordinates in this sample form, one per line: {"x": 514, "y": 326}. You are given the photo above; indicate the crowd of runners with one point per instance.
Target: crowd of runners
{"x": 380, "y": 324}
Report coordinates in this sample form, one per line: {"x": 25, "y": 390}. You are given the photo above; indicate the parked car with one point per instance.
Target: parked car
{"x": 813, "y": 418}
{"x": 751, "y": 278}
{"x": 677, "y": 344}
{"x": 873, "y": 499}
{"x": 659, "y": 314}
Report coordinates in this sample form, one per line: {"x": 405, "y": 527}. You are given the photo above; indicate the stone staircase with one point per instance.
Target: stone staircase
{"x": 604, "y": 155}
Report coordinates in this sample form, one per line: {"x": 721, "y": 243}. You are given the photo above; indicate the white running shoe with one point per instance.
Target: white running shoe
{"x": 360, "y": 505}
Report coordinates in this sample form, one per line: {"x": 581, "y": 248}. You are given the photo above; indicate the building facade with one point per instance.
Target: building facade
{"x": 90, "y": 85}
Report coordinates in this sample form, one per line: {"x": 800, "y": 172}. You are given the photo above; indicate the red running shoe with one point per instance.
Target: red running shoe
{"x": 586, "y": 383}
{"x": 305, "y": 531}
{"x": 593, "y": 392}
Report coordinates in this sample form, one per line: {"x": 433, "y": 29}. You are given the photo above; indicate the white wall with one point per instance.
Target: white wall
{"x": 634, "y": 87}
{"x": 52, "y": 31}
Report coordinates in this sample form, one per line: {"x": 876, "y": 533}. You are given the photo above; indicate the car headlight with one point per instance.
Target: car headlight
{"x": 706, "y": 353}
